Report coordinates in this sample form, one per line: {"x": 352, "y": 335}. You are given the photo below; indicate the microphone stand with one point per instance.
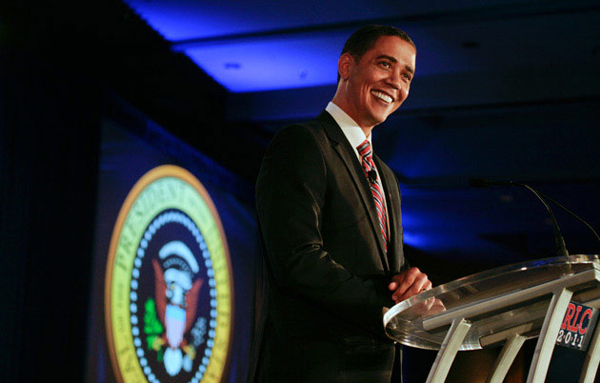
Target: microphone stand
{"x": 561, "y": 248}
{"x": 571, "y": 213}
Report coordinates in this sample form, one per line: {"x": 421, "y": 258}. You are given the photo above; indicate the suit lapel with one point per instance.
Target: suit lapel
{"x": 393, "y": 206}
{"x": 346, "y": 153}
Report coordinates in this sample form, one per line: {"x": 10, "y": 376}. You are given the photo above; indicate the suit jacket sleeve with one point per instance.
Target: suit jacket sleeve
{"x": 291, "y": 193}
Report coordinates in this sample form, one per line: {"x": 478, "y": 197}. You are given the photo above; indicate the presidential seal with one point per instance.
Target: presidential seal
{"x": 168, "y": 288}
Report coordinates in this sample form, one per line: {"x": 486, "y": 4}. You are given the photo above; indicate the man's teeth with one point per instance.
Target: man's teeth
{"x": 382, "y": 96}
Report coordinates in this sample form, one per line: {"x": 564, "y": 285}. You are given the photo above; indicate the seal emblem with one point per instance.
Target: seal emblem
{"x": 168, "y": 287}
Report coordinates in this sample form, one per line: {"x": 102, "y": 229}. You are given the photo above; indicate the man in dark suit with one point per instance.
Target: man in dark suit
{"x": 329, "y": 219}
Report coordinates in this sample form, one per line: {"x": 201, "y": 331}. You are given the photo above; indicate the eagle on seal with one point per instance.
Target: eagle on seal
{"x": 176, "y": 303}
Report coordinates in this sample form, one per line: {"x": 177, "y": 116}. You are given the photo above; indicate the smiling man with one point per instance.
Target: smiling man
{"x": 331, "y": 228}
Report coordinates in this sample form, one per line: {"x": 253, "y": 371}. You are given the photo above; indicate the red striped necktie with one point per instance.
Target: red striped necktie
{"x": 364, "y": 150}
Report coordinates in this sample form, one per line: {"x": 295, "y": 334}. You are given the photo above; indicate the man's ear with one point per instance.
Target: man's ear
{"x": 344, "y": 65}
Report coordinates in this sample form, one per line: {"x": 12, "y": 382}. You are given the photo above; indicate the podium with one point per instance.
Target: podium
{"x": 503, "y": 306}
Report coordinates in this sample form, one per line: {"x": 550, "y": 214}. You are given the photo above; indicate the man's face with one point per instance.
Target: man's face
{"x": 379, "y": 83}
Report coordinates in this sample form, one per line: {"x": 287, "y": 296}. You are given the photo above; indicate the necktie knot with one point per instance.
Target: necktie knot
{"x": 364, "y": 149}
{"x": 366, "y": 155}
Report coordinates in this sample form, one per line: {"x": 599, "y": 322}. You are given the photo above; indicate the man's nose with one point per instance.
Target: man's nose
{"x": 395, "y": 79}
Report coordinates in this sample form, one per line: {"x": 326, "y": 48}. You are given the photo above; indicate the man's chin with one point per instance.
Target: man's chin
{"x": 379, "y": 120}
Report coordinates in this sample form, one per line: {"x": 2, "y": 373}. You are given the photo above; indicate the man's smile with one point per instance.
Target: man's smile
{"x": 383, "y": 96}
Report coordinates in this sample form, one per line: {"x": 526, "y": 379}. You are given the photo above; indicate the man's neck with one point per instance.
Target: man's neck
{"x": 366, "y": 130}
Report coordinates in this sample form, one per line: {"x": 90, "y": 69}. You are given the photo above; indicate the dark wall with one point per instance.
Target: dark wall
{"x": 106, "y": 41}
{"x": 49, "y": 134}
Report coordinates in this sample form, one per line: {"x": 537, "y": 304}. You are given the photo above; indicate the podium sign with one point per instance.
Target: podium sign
{"x": 577, "y": 327}
{"x": 573, "y": 341}
{"x": 506, "y": 306}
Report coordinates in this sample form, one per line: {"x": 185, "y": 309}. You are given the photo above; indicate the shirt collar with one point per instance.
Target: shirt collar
{"x": 354, "y": 134}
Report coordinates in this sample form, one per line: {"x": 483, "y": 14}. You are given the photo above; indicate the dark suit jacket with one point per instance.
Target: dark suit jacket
{"x": 326, "y": 268}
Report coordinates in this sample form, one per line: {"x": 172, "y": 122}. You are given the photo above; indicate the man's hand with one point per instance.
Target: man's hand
{"x": 408, "y": 283}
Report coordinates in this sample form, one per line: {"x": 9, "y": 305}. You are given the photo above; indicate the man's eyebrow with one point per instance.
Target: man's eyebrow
{"x": 393, "y": 59}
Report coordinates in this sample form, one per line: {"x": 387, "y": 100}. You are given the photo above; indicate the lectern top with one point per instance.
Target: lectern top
{"x": 498, "y": 302}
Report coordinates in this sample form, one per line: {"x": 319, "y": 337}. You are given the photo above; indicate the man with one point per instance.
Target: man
{"x": 329, "y": 219}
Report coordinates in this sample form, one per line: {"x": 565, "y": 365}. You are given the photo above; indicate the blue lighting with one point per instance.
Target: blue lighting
{"x": 270, "y": 63}
{"x": 228, "y": 41}
{"x": 414, "y": 239}
{"x": 183, "y": 19}
{"x": 248, "y": 65}
{"x": 187, "y": 19}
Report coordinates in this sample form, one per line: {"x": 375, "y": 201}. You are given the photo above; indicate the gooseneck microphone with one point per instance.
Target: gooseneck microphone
{"x": 561, "y": 248}
{"x": 483, "y": 183}
{"x": 572, "y": 214}
{"x": 486, "y": 183}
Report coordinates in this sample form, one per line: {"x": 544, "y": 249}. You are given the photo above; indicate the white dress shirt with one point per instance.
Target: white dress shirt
{"x": 355, "y": 136}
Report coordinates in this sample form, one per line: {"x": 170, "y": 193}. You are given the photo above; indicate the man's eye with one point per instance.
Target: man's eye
{"x": 385, "y": 64}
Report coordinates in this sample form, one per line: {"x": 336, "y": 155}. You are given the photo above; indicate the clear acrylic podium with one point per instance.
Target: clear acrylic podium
{"x": 505, "y": 306}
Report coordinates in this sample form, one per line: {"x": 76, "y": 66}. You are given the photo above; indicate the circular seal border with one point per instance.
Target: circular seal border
{"x": 223, "y": 336}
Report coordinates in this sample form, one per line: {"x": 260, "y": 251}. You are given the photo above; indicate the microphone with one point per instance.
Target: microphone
{"x": 482, "y": 183}
{"x": 372, "y": 175}
{"x": 561, "y": 248}
{"x": 572, "y": 214}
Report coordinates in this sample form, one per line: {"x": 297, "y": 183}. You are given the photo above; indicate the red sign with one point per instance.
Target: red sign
{"x": 577, "y": 327}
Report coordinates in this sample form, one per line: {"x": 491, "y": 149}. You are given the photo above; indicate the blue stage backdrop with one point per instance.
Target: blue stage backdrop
{"x": 176, "y": 263}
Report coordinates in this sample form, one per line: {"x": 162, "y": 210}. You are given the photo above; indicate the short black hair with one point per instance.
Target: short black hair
{"x": 363, "y": 39}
